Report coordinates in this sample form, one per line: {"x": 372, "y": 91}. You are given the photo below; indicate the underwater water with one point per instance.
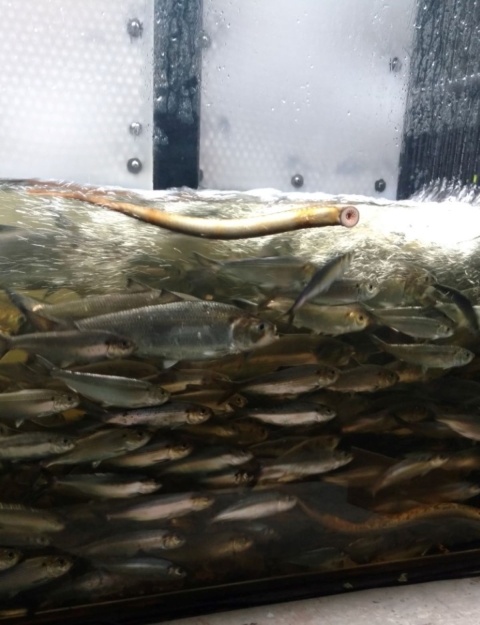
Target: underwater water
{"x": 178, "y": 413}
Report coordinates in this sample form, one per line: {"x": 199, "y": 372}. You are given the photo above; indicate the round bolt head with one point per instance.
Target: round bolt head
{"x": 134, "y": 165}
{"x": 395, "y": 64}
{"x": 380, "y": 185}
{"x": 205, "y": 41}
{"x": 135, "y": 129}
{"x": 297, "y": 181}
{"x": 134, "y": 27}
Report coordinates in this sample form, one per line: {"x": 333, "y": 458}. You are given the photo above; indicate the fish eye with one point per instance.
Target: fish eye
{"x": 261, "y": 327}
{"x": 10, "y": 555}
{"x": 361, "y": 317}
{"x": 62, "y": 562}
{"x": 69, "y": 397}
{"x": 371, "y": 287}
{"x": 65, "y": 441}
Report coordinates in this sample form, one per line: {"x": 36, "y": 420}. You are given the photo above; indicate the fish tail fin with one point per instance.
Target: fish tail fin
{"x": 206, "y": 262}
{"x": 5, "y": 344}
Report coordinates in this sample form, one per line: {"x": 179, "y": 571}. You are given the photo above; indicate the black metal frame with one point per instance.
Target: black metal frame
{"x": 180, "y": 604}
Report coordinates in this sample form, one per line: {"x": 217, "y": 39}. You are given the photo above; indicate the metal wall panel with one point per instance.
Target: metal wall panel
{"x": 298, "y": 87}
{"x": 75, "y": 76}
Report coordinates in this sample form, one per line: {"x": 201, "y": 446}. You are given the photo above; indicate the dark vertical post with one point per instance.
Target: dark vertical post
{"x": 443, "y": 107}
{"x": 176, "y": 116}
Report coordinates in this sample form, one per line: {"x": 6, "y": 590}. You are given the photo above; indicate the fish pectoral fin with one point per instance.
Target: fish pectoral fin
{"x": 18, "y": 422}
{"x": 96, "y": 464}
{"x": 46, "y": 363}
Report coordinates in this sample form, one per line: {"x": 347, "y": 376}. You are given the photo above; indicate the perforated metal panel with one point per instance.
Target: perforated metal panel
{"x": 304, "y": 87}
{"x": 73, "y": 80}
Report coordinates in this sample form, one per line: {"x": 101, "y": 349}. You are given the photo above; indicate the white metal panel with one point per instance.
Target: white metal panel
{"x": 303, "y": 86}
{"x": 72, "y": 81}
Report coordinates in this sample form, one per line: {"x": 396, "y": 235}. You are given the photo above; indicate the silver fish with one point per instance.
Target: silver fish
{"x": 465, "y": 424}
{"x": 332, "y": 320}
{"x": 103, "y": 445}
{"x": 163, "y": 507}
{"x": 71, "y": 347}
{"x": 215, "y": 546}
{"x": 321, "y": 281}
{"x": 133, "y": 544}
{"x": 34, "y": 445}
{"x": 257, "y": 506}
{"x": 269, "y": 272}
{"x": 292, "y": 381}
{"x": 364, "y": 379}
{"x": 172, "y": 414}
{"x": 347, "y": 291}
{"x": 91, "y": 306}
{"x": 208, "y": 459}
{"x": 293, "y": 413}
{"x": 112, "y": 390}
{"x": 149, "y": 568}
{"x": 32, "y": 573}
{"x": 107, "y": 485}
{"x": 413, "y": 466}
{"x": 434, "y": 356}
{"x": 227, "y": 478}
{"x": 418, "y": 327}
{"x": 304, "y": 464}
{"x": 17, "y": 518}
{"x": 93, "y": 585}
{"x": 187, "y": 330}
{"x": 29, "y": 404}
{"x": 152, "y": 454}
{"x": 447, "y": 294}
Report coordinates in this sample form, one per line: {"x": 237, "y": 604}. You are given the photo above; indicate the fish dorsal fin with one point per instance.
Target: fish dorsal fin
{"x": 136, "y": 286}
{"x": 206, "y": 262}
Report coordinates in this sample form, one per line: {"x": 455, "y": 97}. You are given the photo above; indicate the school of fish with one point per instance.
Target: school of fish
{"x": 258, "y": 417}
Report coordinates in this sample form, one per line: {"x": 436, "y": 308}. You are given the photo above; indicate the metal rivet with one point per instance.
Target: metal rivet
{"x": 380, "y": 185}
{"x": 297, "y": 181}
{"x": 134, "y": 27}
{"x": 134, "y": 166}
{"x": 205, "y": 41}
{"x": 135, "y": 129}
{"x": 395, "y": 64}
